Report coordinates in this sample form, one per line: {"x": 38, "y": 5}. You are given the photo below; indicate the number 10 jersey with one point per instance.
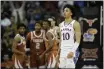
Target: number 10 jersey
{"x": 67, "y": 35}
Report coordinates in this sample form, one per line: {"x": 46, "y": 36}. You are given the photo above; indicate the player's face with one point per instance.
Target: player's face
{"x": 45, "y": 25}
{"x": 67, "y": 12}
{"x": 53, "y": 23}
{"x": 22, "y": 30}
{"x": 37, "y": 27}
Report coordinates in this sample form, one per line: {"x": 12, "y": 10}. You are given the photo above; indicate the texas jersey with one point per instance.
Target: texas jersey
{"x": 22, "y": 44}
{"x": 18, "y": 59}
{"x": 37, "y": 47}
{"x": 51, "y": 62}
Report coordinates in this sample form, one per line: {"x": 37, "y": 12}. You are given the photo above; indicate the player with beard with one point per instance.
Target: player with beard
{"x": 19, "y": 47}
{"x": 51, "y": 45}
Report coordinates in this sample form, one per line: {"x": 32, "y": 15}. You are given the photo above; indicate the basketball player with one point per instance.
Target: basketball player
{"x": 70, "y": 35}
{"x": 19, "y": 47}
{"x": 54, "y": 27}
{"x": 37, "y": 46}
{"x": 51, "y": 45}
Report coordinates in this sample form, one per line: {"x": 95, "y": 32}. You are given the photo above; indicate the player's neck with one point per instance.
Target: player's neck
{"x": 68, "y": 20}
{"x": 21, "y": 34}
{"x": 47, "y": 29}
{"x": 52, "y": 26}
{"x": 37, "y": 32}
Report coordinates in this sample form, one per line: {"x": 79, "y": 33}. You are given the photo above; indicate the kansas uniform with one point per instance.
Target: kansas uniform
{"x": 18, "y": 59}
{"x": 67, "y": 42}
{"x": 37, "y": 47}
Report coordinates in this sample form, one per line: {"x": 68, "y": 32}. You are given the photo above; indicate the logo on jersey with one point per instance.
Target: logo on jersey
{"x": 37, "y": 40}
{"x": 65, "y": 29}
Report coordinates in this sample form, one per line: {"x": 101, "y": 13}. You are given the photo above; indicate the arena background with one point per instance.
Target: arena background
{"x": 88, "y": 13}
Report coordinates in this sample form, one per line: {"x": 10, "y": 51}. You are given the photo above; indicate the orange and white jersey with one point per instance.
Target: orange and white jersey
{"x": 53, "y": 52}
{"x": 54, "y": 41}
{"x": 37, "y": 41}
{"x": 18, "y": 59}
{"x": 37, "y": 47}
{"x": 55, "y": 31}
{"x": 22, "y": 44}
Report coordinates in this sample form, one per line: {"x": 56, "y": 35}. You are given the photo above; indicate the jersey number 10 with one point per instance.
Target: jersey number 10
{"x": 66, "y": 36}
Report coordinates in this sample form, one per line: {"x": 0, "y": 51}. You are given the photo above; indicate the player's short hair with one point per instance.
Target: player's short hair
{"x": 49, "y": 23}
{"x": 38, "y": 22}
{"x": 70, "y": 7}
{"x": 21, "y": 25}
{"x": 54, "y": 19}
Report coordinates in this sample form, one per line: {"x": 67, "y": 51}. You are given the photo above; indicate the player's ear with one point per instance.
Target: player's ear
{"x": 71, "y": 13}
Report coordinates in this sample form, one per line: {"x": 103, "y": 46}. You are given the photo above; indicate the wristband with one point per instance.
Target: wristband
{"x": 76, "y": 44}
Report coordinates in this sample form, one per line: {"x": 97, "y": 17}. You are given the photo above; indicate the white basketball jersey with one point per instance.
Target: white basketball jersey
{"x": 67, "y": 35}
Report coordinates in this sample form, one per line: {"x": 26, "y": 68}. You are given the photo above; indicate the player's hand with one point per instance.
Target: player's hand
{"x": 57, "y": 58}
{"x": 70, "y": 55}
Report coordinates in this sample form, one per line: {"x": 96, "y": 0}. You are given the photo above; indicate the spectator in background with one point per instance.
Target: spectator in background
{"x": 5, "y": 7}
{"x": 34, "y": 13}
{"x": 18, "y": 11}
{"x": 79, "y": 5}
{"x": 13, "y": 25}
{"x": 5, "y": 21}
{"x": 9, "y": 34}
{"x": 7, "y": 63}
{"x": 7, "y": 41}
{"x": 2, "y": 8}
{"x": 31, "y": 25}
{"x": 30, "y": 6}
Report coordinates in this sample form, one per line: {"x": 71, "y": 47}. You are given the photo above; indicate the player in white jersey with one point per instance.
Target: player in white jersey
{"x": 70, "y": 35}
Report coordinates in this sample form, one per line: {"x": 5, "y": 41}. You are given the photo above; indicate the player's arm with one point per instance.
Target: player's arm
{"x": 49, "y": 37}
{"x": 14, "y": 46}
{"x": 12, "y": 5}
{"x": 77, "y": 39}
{"x": 59, "y": 40}
{"x": 23, "y": 4}
{"x": 77, "y": 35}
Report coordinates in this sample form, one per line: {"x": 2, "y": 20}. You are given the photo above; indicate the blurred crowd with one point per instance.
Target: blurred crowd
{"x": 28, "y": 12}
